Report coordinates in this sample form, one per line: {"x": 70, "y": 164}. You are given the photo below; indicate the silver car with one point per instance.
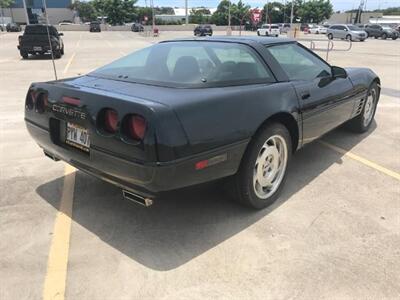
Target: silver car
{"x": 348, "y": 32}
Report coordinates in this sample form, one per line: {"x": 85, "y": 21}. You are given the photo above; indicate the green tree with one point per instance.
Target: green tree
{"x": 199, "y": 15}
{"x": 315, "y": 11}
{"x": 142, "y": 13}
{"x": 116, "y": 11}
{"x": 86, "y": 10}
{"x": 220, "y": 16}
{"x": 240, "y": 13}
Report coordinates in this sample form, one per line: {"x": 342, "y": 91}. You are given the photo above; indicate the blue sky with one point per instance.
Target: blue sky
{"x": 337, "y": 4}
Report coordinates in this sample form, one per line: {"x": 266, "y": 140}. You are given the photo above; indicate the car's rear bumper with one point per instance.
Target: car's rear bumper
{"x": 146, "y": 179}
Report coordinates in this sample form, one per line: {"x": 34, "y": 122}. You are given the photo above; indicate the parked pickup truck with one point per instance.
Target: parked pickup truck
{"x": 35, "y": 40}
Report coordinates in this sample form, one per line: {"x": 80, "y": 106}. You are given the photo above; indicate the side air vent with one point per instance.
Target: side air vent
{"x": 360, "y": 106}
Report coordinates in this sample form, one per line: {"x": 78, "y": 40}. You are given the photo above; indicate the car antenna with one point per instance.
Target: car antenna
{"x": 48, "y": 36}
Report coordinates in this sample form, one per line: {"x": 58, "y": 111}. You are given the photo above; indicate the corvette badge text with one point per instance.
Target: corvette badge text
{"x": 74, "y": 113}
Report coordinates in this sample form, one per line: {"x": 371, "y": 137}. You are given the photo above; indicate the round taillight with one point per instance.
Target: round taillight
{"x": 110, "y": 121}
{"x": 30, "y": 100}
{"x": 136, "y": 127}
{"x": 41, "y": 102}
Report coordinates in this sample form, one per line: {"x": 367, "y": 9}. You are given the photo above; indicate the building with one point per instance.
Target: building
{"x": 58, "y": 11}
{"x": 349, "y": 17}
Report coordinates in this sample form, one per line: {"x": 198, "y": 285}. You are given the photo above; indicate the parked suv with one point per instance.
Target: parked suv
{"x": 348, "y": 32}
{"x": 137, "y": 27}
{"x": 202, "y": 30}
{"x": 95, "y": 26}
{"x": 269, "y": 30}
{"x": 36, "y": 41}
{"x": 384, "y": 32}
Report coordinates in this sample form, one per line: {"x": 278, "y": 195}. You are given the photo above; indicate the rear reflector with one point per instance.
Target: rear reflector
{"x": 72, "y": 101}
{"x": 211, "y": 161}
{"x": 111, "y": 120}
{"x": 137, "y": 127}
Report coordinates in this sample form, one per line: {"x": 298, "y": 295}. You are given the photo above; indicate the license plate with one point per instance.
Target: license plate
{"x": 37, "y": 48}
{"x": 77, "y": 136}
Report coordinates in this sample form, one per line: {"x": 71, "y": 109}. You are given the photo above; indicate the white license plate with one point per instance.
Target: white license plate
{"x": 77, "y": 136}
{"x": 37, "y": 48}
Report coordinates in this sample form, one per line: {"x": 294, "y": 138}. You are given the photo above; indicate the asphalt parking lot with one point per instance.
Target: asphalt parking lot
{"x": 335, "y": 232}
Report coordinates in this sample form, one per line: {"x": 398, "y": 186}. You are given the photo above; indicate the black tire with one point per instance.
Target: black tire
{"x": 358, "y": 123}
{"x": 242, "y": 183}
{"x": 367, "y": 35}
{"x": 24, "y": 54}
{"x": 57, "y": 54}
{"x": 330, "y": 36}
{"x": 62, "y": 50}
{"x": 394, "y": 38}
{"x": 384, "y": 36}
{"x": 258, "y": 33}
{"x": 375, "y": 37}
{"x": 348, "y": 37}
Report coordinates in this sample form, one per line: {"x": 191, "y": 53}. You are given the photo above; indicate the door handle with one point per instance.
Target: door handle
{"x": 305, "y": 95}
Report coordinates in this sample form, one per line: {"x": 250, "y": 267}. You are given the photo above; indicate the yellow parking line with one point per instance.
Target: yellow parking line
{"x": 362, "y": 160}
{"x": 54, "y": 285}
{"x": 69, "y": 63}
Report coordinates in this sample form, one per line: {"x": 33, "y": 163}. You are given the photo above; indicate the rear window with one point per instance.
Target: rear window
{"x": 40, "y": 30}
{"x": 274, "y": 27}
{"x": 190, "y": 64}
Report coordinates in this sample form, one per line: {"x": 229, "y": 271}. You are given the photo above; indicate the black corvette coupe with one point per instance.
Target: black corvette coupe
{"x": 184, "y": 112}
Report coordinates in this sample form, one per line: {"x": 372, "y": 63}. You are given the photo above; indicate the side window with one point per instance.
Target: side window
{"x": 342, "y": 27}
{"x": 238, "y": 63}
{"x": 334, "y": 27}
{"x": 298, "y": 63}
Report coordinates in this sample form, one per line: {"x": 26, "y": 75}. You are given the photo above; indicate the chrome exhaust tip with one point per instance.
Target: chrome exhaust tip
{"x": 137, "y": 198}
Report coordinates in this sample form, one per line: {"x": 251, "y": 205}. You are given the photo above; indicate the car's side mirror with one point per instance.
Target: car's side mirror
{"x": 338, "y": 72}
{"x": 60, "y": 34}
{"x": 345, "y": 29}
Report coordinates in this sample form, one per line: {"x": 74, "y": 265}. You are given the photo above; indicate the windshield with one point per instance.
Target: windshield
{"x": 353, "y": 28}
{"x": 189, "y": 64}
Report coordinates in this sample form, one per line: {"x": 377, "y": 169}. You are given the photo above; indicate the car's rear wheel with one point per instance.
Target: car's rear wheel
{"x": 330, "y": 36}
{"x": 363, "y": 121}
{"x": 384, "y": 36}
{"x": 24, "y": 54}
{"x": 262, "y": 171}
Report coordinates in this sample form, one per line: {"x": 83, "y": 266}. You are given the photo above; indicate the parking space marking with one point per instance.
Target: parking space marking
{"x": 362, "y": 160}
{"x": 55, "y": 280}
{"x": 69, "y": 63}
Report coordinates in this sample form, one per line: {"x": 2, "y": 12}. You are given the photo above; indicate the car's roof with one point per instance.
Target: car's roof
{"x": 239, "y": 39}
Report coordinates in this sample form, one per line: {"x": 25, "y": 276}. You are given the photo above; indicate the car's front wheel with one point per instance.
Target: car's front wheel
{"x": 363, "y": 121}
{"x": 394, "y": 38}
{"x": 384, "y": 36}
{"x": 348, "y": 37}
{"x": 263, "y": 168}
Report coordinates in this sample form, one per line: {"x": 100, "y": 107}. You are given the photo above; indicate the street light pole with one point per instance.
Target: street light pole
{"x": 229, "y": 14}
{"x": 186, "y": 13}
{"x": 26, "y": 12}
{"x": 291, "y": 15}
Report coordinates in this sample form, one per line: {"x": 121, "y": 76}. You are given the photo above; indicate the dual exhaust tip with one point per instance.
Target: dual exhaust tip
{"x": 144, "y": 201}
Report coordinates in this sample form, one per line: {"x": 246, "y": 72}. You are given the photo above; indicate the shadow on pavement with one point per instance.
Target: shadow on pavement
{"x": 182, "y": 224}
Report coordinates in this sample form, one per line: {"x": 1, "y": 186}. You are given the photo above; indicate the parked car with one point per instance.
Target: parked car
{"x": 203, "y": 30}
{"x": 348, "y": 32}
{"x": 269, "y": 30}
{"x": 318, "y": 30}
{"x": 304, "y": 27}
{"x": 177, "y": 117}
{"x": 137, "y": 27}
{"x": 381, "y": 31}
{"x": 285, "y": 28}
{"x": 13, "y": 27}
{"x": 35, "y": 40}
{"x": 95, "y": 26}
